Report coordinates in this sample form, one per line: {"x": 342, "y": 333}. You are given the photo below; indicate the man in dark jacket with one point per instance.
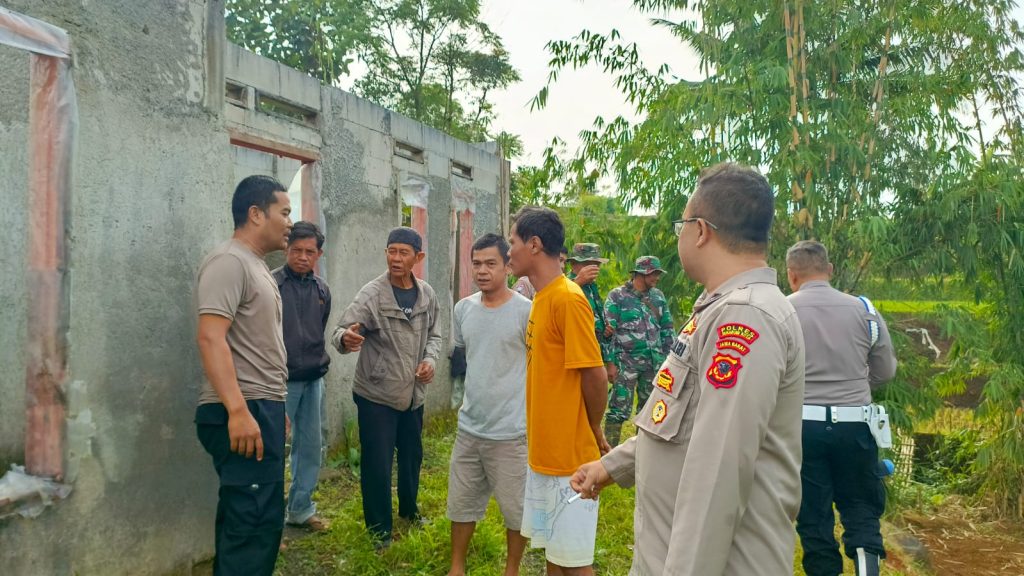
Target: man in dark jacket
{"x": 393, "y": 324}
{"x": 306, "y": 304}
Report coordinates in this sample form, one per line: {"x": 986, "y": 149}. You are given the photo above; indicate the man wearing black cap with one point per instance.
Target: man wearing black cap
{"x": 393, "y": 325}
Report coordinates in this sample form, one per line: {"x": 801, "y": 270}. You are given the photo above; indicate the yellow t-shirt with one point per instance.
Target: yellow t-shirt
{"x": 559, "y": 341}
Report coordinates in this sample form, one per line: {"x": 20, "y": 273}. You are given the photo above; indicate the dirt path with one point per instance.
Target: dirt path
{"x": 961, "y": 546}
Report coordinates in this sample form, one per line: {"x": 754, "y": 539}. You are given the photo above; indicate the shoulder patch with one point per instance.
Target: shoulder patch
{"x": 733, "y": 345}
{"x": 691, "y": 326}
{"x": 724, "y": 371}
{"x": 665, "y": 380}
{"x": 659, "y": 412}
{"x": 738, "y": 331}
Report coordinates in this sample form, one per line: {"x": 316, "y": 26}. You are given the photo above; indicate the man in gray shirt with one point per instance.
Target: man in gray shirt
{"x": 241, "y": 418}
{"x": 489, "y": 455}
{"x": 849, "y": 352}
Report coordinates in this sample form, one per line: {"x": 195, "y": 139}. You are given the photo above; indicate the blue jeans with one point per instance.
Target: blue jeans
{"x": 303, "y": 406}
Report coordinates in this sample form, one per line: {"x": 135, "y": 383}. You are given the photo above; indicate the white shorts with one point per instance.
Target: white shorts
{"x": 566, "y": 531}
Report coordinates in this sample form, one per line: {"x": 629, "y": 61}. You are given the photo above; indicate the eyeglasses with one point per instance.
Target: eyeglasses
{"x": 678, "y": 224}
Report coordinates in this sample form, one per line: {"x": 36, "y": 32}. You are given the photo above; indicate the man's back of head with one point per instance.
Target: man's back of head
{"x": 805, "y": 261}
{"x": 739, "y": 201}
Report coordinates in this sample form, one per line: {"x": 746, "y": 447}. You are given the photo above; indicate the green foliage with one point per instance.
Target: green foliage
{"x": 852, "y": 108}
{"x": 346, "y": 550}
{"x": 435, "y": 61}
{"x": 432, "y": 60}
{"x": 319, "y": 37}
{"x": 868, "y": 120}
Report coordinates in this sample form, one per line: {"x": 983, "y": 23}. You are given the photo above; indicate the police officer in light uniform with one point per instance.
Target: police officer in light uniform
{"x": 716, "y": 459}
{"x": 849, "y": 352}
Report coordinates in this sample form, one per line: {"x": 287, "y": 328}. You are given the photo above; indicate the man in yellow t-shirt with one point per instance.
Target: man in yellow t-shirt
{"x": 566, "y": 391}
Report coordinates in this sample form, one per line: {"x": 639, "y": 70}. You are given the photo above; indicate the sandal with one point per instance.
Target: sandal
{"x": 314, "y": 524}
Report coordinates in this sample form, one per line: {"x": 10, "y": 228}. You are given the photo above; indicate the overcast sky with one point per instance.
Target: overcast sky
{"x": 579, "y": 96}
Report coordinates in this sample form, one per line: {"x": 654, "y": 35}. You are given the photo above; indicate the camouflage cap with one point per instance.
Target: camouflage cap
{"x": 648, "y": 265}
{"x": 586, "y": 252}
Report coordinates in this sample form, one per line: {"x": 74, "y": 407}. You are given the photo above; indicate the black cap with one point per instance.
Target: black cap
{"x": 406, "y": 235}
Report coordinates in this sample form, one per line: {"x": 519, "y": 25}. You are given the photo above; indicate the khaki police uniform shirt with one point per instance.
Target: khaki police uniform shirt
{"x": 849, "y": 350}
{"x": 716, "y": 459}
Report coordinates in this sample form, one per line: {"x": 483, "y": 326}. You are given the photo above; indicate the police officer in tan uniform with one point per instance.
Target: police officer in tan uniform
{"x": 849, "y": 352}
{"x": 716, "y": 459}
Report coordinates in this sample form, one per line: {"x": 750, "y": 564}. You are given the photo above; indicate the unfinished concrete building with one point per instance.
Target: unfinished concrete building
{"x": 111, "y": 200}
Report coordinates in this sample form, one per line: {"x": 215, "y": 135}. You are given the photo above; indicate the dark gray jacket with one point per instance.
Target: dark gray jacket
{"x": 305, "y": 305}
{"x": 394, "y": 345}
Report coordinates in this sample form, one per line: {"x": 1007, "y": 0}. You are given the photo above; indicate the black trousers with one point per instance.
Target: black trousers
{"x": 840, "y": 465}
{"x": 382, "y": 430}
{"x": 250, "y": 508}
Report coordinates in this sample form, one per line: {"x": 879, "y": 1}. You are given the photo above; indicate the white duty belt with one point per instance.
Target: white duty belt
{"x": 873, "y": 415}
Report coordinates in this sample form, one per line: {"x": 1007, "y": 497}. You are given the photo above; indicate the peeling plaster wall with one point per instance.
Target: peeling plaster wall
{"x": 149, "y": 159}
{"x": 14, "y": 239}
{"x": 151, "y": 195}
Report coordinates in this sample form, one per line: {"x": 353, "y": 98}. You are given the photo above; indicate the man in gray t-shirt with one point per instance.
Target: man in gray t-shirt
{"x": 241, "y": 419}
{"x": 489, "y": 455}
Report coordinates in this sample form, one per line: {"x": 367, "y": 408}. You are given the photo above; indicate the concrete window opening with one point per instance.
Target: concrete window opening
{"x": 297, "y": 174}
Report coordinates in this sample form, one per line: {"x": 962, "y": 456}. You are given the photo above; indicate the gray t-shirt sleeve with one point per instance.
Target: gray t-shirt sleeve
{"x": 221, "y": 286}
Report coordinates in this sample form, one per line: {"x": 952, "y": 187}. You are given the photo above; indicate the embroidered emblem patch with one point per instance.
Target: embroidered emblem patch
{"x": 739, "y": 331}
{"x": 691, "y": 326}
{"x": 724, "y": 371}
{"x": 659, "y": 412}
{"x": 733, "y": 345}
{"x": 665, "y": 380}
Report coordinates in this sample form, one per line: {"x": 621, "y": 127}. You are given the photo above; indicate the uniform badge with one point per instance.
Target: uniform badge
{"x": 691, "y": 326}
{"x": 659, "y": 412}
{"x": 665, "y": 380}
{"x": 679, "y": 347}
{"x": 724, "y": 371}
{"x": 733, "y": 345}
{"x": 738, "y": 331}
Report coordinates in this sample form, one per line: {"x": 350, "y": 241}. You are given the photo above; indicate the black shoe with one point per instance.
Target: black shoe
{"x": 417, "y": 521}
{"x": 381, "y": 545}
{"x": 866, "y": 564}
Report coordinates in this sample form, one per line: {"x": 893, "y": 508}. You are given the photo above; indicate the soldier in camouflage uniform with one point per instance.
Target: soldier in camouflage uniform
{"x": 639, "y": 316}
{"x": 585, "y": 261}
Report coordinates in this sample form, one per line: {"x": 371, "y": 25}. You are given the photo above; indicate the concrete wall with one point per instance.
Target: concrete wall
{"x": 359, "y": 175}
{"x": 13, "y": 289}
{"x": 153, "y": 178}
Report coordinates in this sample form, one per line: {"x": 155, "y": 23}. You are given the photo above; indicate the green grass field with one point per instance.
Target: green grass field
{"x": 346, "y": 550}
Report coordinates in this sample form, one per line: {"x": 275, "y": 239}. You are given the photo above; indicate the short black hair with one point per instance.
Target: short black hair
{"x": 302, "y": 230}
{"x": 738, "y": 200}
{"x": 491, "y": 239}
{"x": 542, "y": 223}
{"x": 258, "y": 191}
{"x": 808, "y": 256}
{"x": 563, "y": 251}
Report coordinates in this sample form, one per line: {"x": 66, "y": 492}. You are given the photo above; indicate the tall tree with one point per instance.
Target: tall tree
{"x": 891, "y": 131}
{"x": 851, "y": 107}
{"x": 319, "y": 37}
{"x": 433, "y": 60}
